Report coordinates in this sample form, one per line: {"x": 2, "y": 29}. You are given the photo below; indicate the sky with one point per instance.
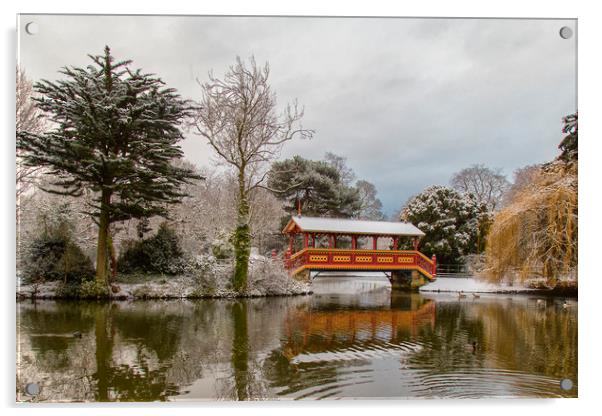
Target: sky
{"x": 408, "y": 101}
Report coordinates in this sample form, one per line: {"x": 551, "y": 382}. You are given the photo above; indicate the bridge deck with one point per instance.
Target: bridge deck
{"x": 361, "y": 260}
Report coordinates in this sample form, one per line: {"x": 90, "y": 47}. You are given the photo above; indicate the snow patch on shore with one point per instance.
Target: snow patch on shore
{"x": 458, "y": 284}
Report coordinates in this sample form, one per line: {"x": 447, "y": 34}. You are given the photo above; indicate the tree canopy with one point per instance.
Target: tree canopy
{"x": 370, "y": 206}
{"x": 485, "y": 184}
{"x": 449, "y": 219}
{"x": 115, "y": 133}
{"x": 316, "y": 185}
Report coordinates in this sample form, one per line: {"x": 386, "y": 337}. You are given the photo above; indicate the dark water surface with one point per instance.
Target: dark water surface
{"x": 349, "y": 340}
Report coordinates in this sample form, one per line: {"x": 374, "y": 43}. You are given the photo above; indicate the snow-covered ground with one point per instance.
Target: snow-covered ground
{"x": 327, "y": 282}
{"x": 450, "y": 284}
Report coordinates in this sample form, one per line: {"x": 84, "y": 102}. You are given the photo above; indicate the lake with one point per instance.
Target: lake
{"x": 353, "y": 338}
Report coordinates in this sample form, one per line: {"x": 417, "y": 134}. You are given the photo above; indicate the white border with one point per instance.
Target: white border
{"x": 590, "y": 34}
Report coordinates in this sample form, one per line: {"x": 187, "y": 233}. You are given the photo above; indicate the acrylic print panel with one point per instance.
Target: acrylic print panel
{"x": 243, "y": 208}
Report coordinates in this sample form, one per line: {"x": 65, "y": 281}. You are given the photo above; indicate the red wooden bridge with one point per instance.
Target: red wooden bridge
{"x": 354, "y": 245}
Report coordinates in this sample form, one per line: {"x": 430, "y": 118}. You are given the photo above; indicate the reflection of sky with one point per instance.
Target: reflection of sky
{"x": 407, "y": 101}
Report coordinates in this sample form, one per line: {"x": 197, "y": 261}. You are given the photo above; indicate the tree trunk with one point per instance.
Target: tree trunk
{"x": 112, "y": 256}
{"x": 242, "y": 238}
{"x": 102, "y": 269}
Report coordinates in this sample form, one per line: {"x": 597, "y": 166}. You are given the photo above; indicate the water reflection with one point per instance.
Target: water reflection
{"x": 371, "y": 344}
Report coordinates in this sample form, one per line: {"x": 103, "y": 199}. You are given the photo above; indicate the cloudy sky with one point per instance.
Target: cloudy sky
{"x": 407, "y": 101}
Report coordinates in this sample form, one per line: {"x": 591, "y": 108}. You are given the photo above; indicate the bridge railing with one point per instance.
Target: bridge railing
{"x": 360, "y": 259}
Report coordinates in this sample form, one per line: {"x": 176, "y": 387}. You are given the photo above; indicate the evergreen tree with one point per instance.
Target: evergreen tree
{"x": 315, "y": 185}
{"x": 115, "y": 133}
{"x": 569, "y": 144}
{"x": 450, "y": 220}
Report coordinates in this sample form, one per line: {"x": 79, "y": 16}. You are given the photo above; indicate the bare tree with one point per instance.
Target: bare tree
{"x": 371, "y": 207}
{"x": 487, "y": 185}
{"x": 238, "y": 116}
{"x": 28, "y": 118}
{"x": 340, "y": 164}
{"x": 523, "y": 177}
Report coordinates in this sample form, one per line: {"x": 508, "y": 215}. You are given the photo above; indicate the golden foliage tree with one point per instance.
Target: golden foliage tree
{"x": 536, "y": 234}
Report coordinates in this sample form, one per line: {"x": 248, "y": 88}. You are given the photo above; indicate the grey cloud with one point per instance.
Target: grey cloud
{"x": 407, "y": 101}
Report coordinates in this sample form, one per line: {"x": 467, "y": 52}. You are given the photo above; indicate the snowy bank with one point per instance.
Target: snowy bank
{"x": 472, "y": 285}
{"x": 208, "y": 280}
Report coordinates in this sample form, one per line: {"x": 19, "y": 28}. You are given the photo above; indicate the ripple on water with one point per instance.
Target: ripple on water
{"x": 487, "y": 382}
{"x": 370, "y": 351}
{"x": 368, "y": 364}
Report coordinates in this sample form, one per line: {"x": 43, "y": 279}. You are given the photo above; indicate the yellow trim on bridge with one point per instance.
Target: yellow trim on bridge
{"x": 358, "y": 251}
{"x": 360, "y": 268}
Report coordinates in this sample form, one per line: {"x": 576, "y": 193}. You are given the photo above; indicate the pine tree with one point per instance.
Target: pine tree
{"x": 316, "y": 186}
{"x": 115, "y": 133}
{"x": 569, "y": 145}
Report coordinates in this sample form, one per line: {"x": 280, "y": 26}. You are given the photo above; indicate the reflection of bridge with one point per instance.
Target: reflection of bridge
{"x": 343, "y": 251}
{"x": 321, "y": 330}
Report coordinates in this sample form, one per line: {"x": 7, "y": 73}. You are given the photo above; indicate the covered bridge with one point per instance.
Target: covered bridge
{"x": 317, "y": 244}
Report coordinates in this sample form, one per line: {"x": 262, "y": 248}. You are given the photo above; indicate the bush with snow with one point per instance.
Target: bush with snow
{"x": 161, "y": 253}
{"x": 269, "y": 277}
{"x": 450, "y": 220}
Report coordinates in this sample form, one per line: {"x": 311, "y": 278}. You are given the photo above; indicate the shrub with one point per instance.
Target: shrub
{"x": 211, "y": 276}
{"x": 68, "y": 291}
{"x": 221, "y": 247}
{"x": 161, "y": 253}
{"x": 92, "y": 289}
{"x": 268, "y": 277}
{"x": 144, "y": 292}
{"x": 56, "y": 257}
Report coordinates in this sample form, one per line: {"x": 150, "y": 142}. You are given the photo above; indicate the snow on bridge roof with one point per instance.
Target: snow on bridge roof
{"x": 350, "y": 226}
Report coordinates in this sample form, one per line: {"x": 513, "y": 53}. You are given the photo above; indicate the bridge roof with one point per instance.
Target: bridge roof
{"x": 350, "y": 226}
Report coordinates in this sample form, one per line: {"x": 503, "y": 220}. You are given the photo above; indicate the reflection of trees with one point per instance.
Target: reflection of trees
{"x": 510, "y": 336}
{"x": 158, "y": 331}
{"x": 104, "y": 349}
{"x": 83, "y": 367}
{"x": 252, "y": 327}
{"x": 287, "y": 378}
{"x": 49, "y": 354}
{"x": 51, "y": 330}
{"x": 450, "y": 341}
{"x": 136, "y": 381}
{"x": 255, "y": 348}
{"x": 531, "y": 338}
{"x": 240, "y": 350}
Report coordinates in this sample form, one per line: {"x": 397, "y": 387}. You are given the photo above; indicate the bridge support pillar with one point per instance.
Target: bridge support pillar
{"x": 406, "y": 280}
